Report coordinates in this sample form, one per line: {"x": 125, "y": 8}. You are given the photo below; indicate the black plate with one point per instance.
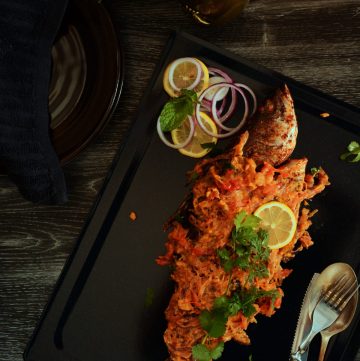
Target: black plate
{"x": 87, "y": 76}
{"x": 97, "y": 311}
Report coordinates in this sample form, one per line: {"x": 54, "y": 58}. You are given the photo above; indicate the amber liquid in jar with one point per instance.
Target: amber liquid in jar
{"x": 215, "y": 12}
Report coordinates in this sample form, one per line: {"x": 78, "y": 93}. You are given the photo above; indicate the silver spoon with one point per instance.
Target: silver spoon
{"x": 328, "y": 276}
{"x": 339, "y": 325}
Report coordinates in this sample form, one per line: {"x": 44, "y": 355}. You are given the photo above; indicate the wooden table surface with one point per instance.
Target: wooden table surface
{"x": 316, "y": 42}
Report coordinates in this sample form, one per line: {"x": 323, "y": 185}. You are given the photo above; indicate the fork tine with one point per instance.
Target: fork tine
{"x": 341, "y": 291}
{"x": 333, "y": 288}
{"x": 349, "y": 297}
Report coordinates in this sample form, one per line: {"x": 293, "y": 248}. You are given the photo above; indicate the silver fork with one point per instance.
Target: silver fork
{"x": 327, "y": 310}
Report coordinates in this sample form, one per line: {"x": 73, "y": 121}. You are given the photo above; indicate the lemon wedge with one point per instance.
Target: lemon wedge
{"x": 184, "y": 74}
{"x": 280, "y": 222}
{"x": 201, "y": 142}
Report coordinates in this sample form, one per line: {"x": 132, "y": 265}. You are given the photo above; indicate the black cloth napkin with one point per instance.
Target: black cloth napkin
{"x": 27, "y": 32}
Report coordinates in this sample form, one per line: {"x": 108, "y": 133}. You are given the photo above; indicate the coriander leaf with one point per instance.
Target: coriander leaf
{"x": 356, "y": 159}
{"x": 242, "y": 262}
{"x": 214, "y": 322}
{"x": 314, "y": 171}
{"x": 234, "y": 305}
{"x": 352, "y": 146}
{"x": 248, "y": 310}
{"x": 223, "y": 254}
{"x": 239, "y": 219}
{"x": 217, "y": 351}
{"x": 243, "y": 220}
{"x": 251, "y": 221}
{"x": 228, "y": 265}
{"x": 221, "y": 302}
{"x": 201, "y": 353}
{"x": 353, "y": 154}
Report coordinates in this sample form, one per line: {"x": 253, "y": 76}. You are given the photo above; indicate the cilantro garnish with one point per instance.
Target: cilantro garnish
{"x": 353, "y": 154}
{"x": 249, "y": 251}
{"x": 214, "y": 321}
{"x": 249, "y": 247}
{"x": 177, "y": 109}
{"x": 314, "y": 171}
{"x": 201, "y": 352}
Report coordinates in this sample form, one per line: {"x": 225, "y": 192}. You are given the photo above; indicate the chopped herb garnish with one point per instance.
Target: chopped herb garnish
{"x": 314, "y": 171}
{"x": 149, "y": 297}
{"x": 201, "y": 352}
{"x": 249, "y": 251}
{"x": 353, "y": 154}
{"x": 214, "y": 321}
{"x": 177, "y": 109}
{"x": 249, "y": 247}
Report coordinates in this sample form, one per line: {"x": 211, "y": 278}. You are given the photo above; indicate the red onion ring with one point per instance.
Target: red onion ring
{"x": 228, "y": 79}
{"x": 232, "y": 106}
{"x": 230, "y": 131}
{"x": 175, "y": 63}
{"x": 221, "y": 120}
{"x": 220, "y": 72}
{"x": 172, "y": 145}
{"x": 207, "y": 104}
{"x": 216, "y": 80}
{"x": 250, "y": 91}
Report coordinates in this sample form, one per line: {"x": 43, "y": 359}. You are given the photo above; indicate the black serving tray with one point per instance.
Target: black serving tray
{"x": 98, "y": 311}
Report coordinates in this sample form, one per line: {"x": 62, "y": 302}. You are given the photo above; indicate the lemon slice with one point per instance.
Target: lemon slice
{"x": 195, "y": 148}
{"x": 184, "y": 75}
{"x": 279, "y": 220}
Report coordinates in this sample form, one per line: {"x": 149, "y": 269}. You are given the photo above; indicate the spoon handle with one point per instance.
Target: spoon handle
{"x": 324, "y": 343}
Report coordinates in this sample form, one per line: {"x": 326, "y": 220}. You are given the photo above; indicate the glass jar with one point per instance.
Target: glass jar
{"x": 215, "y": 12}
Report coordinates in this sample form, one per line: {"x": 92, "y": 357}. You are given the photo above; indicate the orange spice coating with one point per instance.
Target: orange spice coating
{"x": 226, "y": 185}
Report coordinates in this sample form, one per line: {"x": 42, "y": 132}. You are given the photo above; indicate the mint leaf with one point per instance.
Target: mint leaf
{"x": 177, "y": 109}
{"x": 201, "y": 353}
{"x": 217, "y": 351}
{"x": 214, "y": 322}
{"x": 171, "y": 116}
{"x": 190, "y": 94}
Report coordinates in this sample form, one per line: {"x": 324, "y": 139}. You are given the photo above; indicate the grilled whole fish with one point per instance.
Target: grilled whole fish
{"x": 240, "y": 179}
{"x": 273, "y": 130}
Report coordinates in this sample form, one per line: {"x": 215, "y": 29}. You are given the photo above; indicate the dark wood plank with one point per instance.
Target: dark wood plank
{"x": 313, "y": 41}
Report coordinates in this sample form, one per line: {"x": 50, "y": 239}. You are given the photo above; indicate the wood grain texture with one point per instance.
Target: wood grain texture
{"x": 313, "y": 41}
